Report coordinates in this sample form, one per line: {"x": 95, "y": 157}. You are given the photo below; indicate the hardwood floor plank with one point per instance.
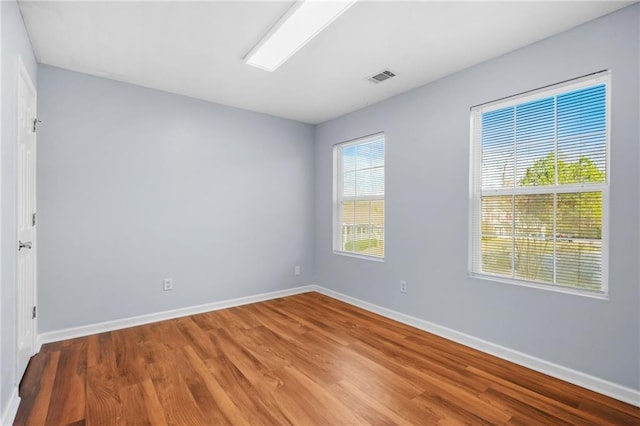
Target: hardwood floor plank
{"x": 359, "y": 368}
{"x": 278, "y": 321}
{"x": 521, "y": 412}
{"x": 69, "y": 406}
{"x": 540, "y": 401}
{"x": 260, "y": 377}
{"x": 314, "y": 398}
{"x": 129, "y": 362}
{"x": 197, "y": 337}
{"x": 619, "y": 415}
{"x": 453, "y": 413}
{"x": 104, "y": 404}
{"x": 297, "y": 313}
{"x": 322, "y": 365}
{"x": 301, "y": 360}
{"x": 258, "y": 411}
{"x": 175, "y": 396}
{"x": 229, "y": 318}
{"x": 133, "y": 405}
{"x": 463, "y": 401}
{"x": 28, "y": 389}
{"x": 420, "y": 371}
{"x": 393, "y": 410}
{"x": 266, "y": 346}
{"x": 227, "y": 406}
{"x": 152, "y": 404}
{"x": 40, "y": 398}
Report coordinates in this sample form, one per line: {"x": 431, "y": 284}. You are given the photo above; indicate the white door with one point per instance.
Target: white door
{"x": 26, "y": 200}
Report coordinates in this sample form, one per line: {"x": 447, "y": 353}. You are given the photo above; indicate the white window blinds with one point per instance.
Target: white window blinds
{"x": 359, "y": 197}
{"x": 539, "y": 186}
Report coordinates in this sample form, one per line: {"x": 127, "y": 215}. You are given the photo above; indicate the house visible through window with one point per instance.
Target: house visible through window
{"x": 539, "y": 187}
{"x": 359, "y": 197}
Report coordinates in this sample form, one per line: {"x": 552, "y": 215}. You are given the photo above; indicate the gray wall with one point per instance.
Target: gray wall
{"x": 15, "y": 43}
{"x": 427, "y": 194}
{"x": 135, "y": 185}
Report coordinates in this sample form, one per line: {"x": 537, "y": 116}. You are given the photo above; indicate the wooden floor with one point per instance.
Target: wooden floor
{"x": 302, "y": 360}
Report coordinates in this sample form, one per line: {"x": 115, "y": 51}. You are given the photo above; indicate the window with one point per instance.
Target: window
{"x": 359, "y": 197}
{"x": 539, "y": 187}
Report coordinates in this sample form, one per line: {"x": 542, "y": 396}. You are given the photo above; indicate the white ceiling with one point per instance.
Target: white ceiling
{"x": 197, "y": 48}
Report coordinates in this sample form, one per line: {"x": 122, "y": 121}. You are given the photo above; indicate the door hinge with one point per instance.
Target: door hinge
{"x": 33, "y": 313}
{"x": 33, "y": 219}
{"x": 35, "y": 124}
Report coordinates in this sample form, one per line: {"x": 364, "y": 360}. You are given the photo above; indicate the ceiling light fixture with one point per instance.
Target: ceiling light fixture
{"x": 297, "y": 27}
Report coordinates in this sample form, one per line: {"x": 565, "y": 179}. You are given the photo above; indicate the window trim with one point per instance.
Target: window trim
{"x": 338, "y": 190}
{"x": 476, "y": 192}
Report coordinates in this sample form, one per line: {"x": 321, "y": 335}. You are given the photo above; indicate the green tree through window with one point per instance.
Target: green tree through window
{"x": 543, "y": 172}
{"x": 588, "y": 205}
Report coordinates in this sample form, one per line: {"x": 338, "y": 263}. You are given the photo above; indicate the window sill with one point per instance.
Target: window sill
{"x": 359, "y": 256}
{"x": 549, "y": 287}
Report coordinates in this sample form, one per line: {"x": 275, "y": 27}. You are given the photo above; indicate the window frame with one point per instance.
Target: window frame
{"x": 476, "y": 192}
{"x": 338, "y": 198}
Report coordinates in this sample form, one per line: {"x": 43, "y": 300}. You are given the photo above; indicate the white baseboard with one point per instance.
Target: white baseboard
{"x": 593, "y": 383}
{"x": 86, "y": 330}
{"x": 10, "y": 411}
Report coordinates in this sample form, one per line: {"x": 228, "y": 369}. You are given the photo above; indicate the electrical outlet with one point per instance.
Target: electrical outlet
{"x": 403, "y": 286}
{"x": 167, "y": 284}
{"x": 296, "y": 270}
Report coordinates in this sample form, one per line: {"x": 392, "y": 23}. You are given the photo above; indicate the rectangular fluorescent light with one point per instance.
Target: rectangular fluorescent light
{"x": 297, "y": 27}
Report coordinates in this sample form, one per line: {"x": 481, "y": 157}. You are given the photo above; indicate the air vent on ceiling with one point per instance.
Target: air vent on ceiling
{"x": 381, "y": 76}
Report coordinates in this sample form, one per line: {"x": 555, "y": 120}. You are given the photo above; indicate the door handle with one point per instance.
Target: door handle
{"x": 26, "y": 244}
